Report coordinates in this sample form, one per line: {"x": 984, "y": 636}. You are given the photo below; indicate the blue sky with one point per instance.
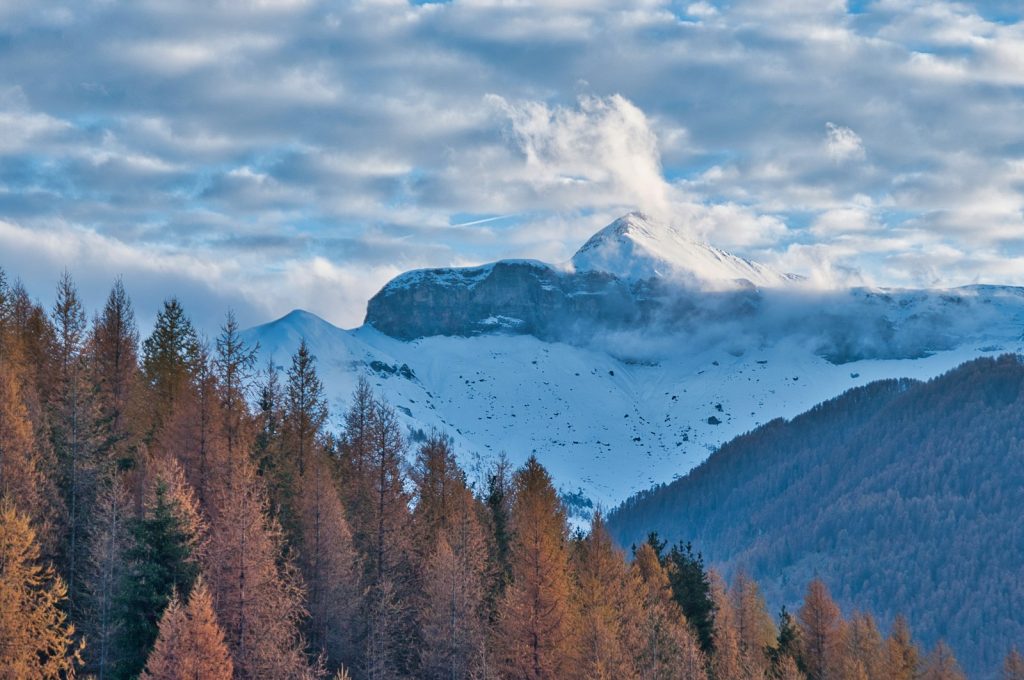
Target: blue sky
{"x": 271, "y": 154}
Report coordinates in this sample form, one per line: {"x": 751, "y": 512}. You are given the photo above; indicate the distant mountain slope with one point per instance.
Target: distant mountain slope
{"x": 904, "y": 496}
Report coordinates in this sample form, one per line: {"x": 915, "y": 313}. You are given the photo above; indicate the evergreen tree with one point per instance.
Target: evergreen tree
{"x": 691, "y": 589}
{"x": 36, "y": 641}
{"x": 160, "y": 563}
{"x": 170, "y": 358}
{"x": 114, "y": 371}
{"x": 70, "y": 427}
{"x": 190, "y": 644}
{"x": 786, "y": 649}
{"x": 233, "y": 366}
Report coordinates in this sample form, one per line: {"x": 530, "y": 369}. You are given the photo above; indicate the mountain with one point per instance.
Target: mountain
{"x": 637, "y": 247}
{"x": 625, "y": 371}
{"x": 904, "y": 496}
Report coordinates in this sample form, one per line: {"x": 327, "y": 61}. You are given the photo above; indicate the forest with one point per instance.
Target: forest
{"x": 903, "y": 496}
{"x": 169, "y": 509}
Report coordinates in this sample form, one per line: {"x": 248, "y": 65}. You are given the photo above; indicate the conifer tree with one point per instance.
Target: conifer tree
{"x": 498, "y": 501}
{"x": 537, "y": 626}
{"x": 257, "y": 592}
{"x": 726, "y": 662}
{"x": 784, "y": 653}
{"x": 609, "y": 601}
{"x": 109, "y": 543}
{"x": 1013, "y": 666}
{"x": 941, "y": 664}
{"x": 70, "y": 427}
{"x": 864, "y": 652}
{"x": 754, "y": 628}
{"x": 114, "y": 370}
{"x": 668, "y": 648}
{"x": 820, "y": 632}
{"x": 902, "y": 655}
{"x": 36, "y": 640}
{"x": 234, "y": 364}
{"x": 170, "y": 358}
{"x": 190, "y": 644}
{"x": 691, "y": 589}
{"x": 451, "y": 549}
{"x": 305, "y": 407}
{"x": 160, "y": 563}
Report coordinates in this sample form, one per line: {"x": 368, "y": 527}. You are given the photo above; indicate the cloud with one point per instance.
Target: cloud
{"x": 843, "y": 144}
{"x": 255, "y": 153}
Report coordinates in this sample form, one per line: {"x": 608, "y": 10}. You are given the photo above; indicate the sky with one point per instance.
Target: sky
{"x": 265, "y": 155}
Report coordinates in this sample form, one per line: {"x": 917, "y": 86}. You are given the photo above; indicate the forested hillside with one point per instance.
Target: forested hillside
{"x": 170, "y": 510}
{"x": 902, "y": 496}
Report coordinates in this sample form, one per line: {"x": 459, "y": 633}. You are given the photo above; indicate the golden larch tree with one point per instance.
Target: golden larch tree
{"x": 821, "y": 631}
{"x": 36, "y": 640}
{"x": 190, "y": 644}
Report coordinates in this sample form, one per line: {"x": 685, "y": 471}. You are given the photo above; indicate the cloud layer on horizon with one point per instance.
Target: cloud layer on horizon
{"x": 273, "y": 154}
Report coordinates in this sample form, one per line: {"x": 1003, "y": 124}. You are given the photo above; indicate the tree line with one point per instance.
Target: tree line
{"x": 169, "y": 509}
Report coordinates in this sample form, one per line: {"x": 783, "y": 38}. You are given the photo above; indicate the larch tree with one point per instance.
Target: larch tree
{"x": 864, "y": 650}
{"x": 451, "y": 551}
{"x": 902, "y": 654}
{"x": 1013, "y": 666}
{"x": 609, "y": 602}
{"x": 821, "y": 632}
{"x": 941, "y": 664}
{"x": 190, "y": 643}
{"x": 257, "y": 592}
{"x": 726, "y": 662}
{"x": 668, "y": 649}
{"x": 537, "y": 625}
{"x": 36, "y": 640}
{"x": 234, "y": 364}
{"x": 754, "y": 627}
{"x": 109, "y": 541}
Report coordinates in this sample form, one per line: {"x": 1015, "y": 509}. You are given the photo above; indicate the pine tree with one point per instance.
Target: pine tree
{"x": 820, "y": 632}
{"x": 190, "y": 644}
{"x": 1013, "y": 666}
{"x": 940, "y": 664}
{"x": 498, "y": 501}
{"x": 902, "y": 655}
{"x": 537, "y": 626}
{"x": 305, "y": 407}
{"x": 233, "y": 366}
{"x": 36, "y": 641}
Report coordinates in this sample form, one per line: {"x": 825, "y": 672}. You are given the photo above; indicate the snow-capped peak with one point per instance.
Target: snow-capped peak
{"x": 638, "y": 247}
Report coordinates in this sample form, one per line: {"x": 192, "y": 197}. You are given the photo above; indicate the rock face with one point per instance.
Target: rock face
{"x": 633, "y": 272}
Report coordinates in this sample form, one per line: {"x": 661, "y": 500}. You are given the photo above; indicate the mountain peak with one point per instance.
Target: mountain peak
{"x": 638, "y": 246}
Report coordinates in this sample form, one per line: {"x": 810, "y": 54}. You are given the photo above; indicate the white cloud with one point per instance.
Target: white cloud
{"x": 843, "y": 144}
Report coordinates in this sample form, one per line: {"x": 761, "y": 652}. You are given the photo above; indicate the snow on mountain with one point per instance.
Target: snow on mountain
{"x": 627, "y": 399}
{"x": 637, "y": 247}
